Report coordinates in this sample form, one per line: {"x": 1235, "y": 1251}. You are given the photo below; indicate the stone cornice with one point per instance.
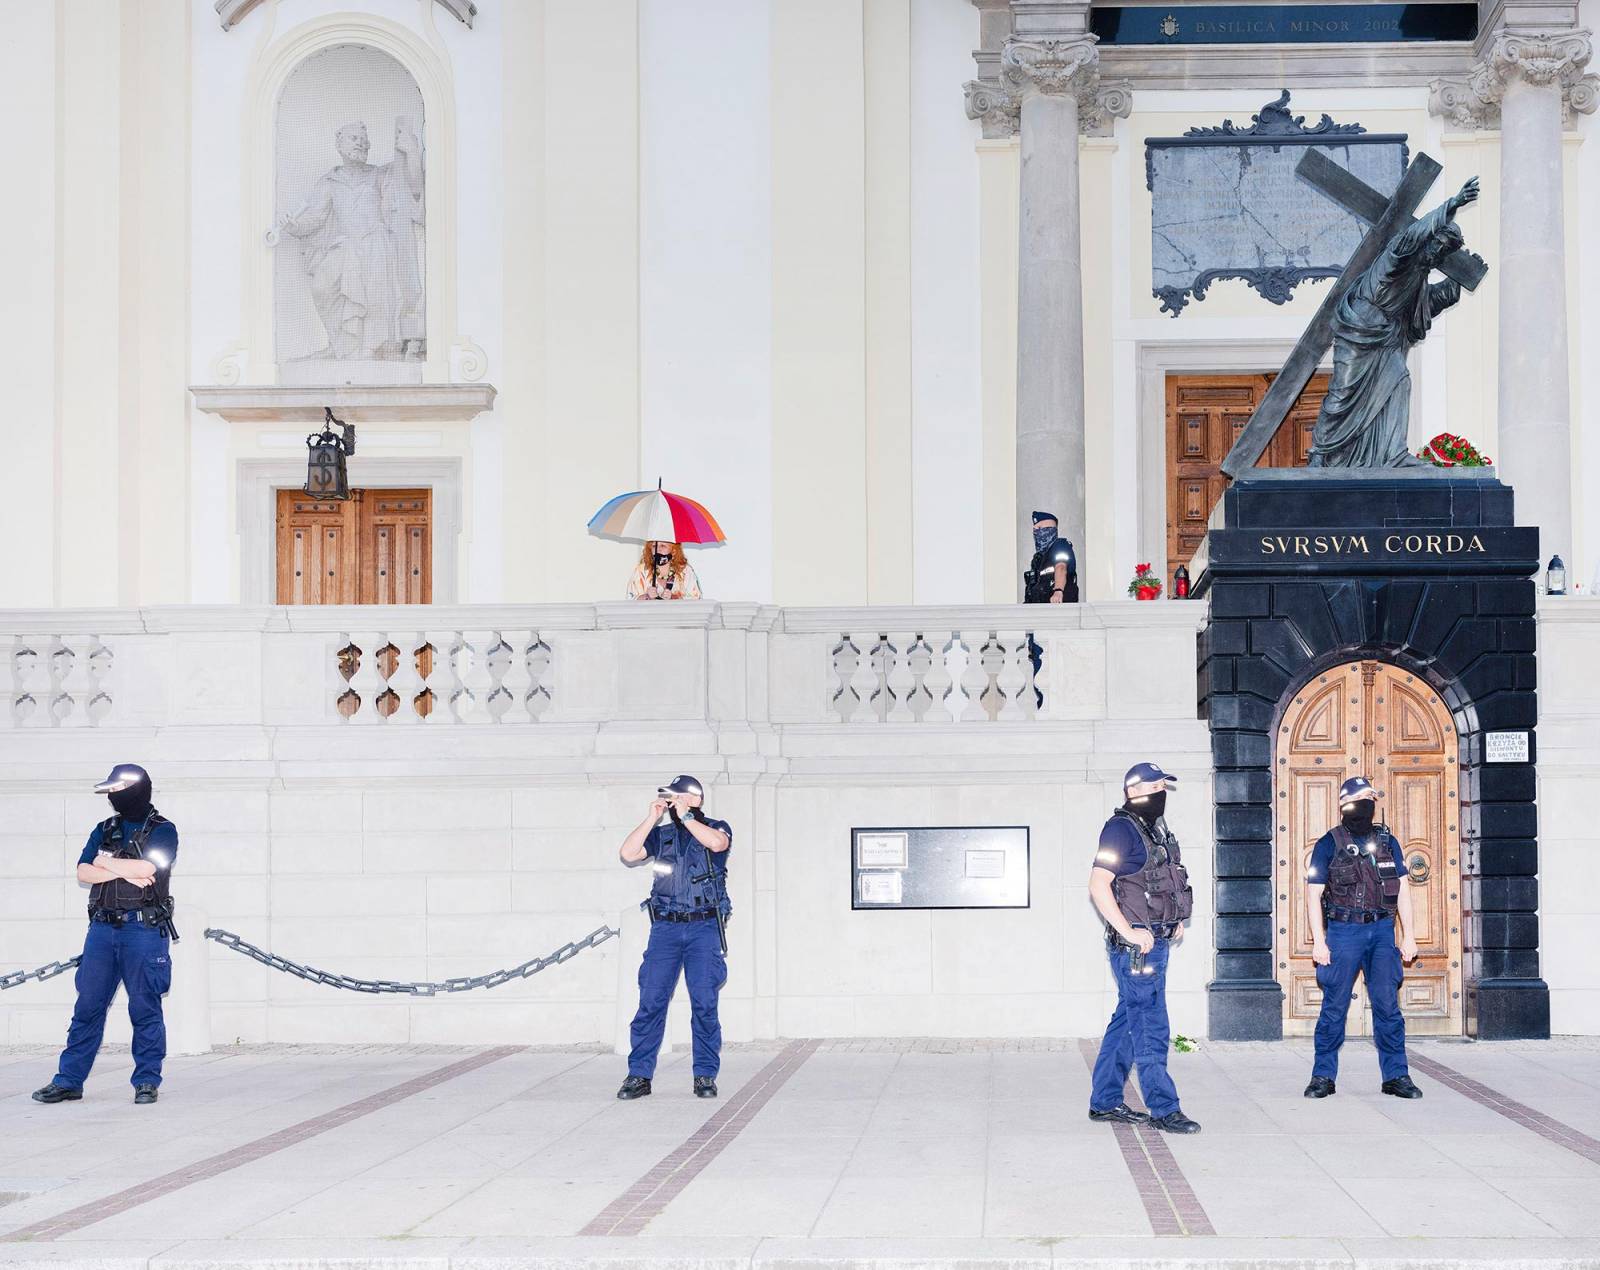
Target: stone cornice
{"x": 1541, "y": 59}
{"x": 433, "y": 403}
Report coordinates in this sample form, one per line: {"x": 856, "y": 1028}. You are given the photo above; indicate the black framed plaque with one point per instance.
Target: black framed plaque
{"x": 946, "y": 866}
{"x": 1225, "y": 202}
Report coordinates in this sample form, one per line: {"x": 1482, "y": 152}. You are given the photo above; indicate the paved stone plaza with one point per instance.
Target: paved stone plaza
{"x": 911, "y": 1152}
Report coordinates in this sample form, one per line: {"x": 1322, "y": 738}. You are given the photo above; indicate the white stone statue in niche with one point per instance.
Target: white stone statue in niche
{"x": 358, "y": 245}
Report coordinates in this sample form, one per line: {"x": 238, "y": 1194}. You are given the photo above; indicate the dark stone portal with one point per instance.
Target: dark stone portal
{"x": 1308, "y": 571}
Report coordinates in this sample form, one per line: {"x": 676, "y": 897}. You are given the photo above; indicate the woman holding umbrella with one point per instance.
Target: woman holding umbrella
{"x": 663, "y": 574}
{"x": 663, "y": 522}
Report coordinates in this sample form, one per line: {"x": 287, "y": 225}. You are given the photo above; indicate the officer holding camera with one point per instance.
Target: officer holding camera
{"x": 1141, "y": 889}
{"x": 688, "y": 906}
{"x": 127, "y": 863}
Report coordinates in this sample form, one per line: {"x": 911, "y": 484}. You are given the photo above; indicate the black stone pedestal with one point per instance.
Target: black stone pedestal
{"x": 1418, "y": 568}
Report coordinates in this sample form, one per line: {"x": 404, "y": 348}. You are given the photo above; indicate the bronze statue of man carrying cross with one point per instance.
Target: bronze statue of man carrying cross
{"x": 1380, "y": 306}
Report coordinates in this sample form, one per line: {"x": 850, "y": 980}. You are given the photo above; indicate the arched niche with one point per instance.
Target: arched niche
{"x": 274, "y": 65}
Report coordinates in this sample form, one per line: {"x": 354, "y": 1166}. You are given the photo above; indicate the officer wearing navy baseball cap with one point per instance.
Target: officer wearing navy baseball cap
{"x": 1355, "y": 888}
{"x": 1139, "y": 885}
{"x": 688, "y": 907}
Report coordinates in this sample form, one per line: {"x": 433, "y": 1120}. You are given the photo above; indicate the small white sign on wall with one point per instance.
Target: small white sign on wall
{"x": 1505, "y": 747}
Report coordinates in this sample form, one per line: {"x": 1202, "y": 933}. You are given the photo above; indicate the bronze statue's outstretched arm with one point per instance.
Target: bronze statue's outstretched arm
{"x": 1468, "y": 193}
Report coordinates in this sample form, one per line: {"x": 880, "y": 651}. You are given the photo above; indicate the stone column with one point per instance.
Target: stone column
{"x": 1046, "y": 78}
{"x": 1535, "y": 433}
{"x": 1530, "y": 83}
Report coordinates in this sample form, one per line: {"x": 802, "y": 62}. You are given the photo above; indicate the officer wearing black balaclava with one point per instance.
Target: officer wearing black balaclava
{"x": 1052, "y": 577}
{"x": 1141, "y": 890}
{"x": 1355, "y": 888}
{"x": 127, "y": 865}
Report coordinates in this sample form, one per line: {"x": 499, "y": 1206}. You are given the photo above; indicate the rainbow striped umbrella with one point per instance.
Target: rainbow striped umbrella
{"x": 654, "y": 515}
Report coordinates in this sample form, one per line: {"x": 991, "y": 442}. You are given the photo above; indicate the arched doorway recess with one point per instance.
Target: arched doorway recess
{"x": 1370, "y": 718}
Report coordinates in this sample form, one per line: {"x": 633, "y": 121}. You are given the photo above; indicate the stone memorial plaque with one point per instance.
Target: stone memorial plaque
{"x": 1225, "y": 203}
{"x": 1505, "y": 747}
{"x": 940, "y": 867}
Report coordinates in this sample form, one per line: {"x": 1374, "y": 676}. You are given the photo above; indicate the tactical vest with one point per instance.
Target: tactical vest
{"x": 121, "y": 895}
{"x": 1363, "y": 874}
{"x": 1039, "y": 582}
{"x": 678, "y": 892}
{"x": 1159, "y": 893}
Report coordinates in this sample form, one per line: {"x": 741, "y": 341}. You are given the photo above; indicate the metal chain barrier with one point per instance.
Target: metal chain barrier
{"x": 47, "y": 971}
{"x": 424, "y": 989}
{"x": 347, "y": 982}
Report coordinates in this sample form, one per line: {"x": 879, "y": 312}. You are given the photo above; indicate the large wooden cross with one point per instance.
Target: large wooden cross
{"x": 1387, "y": 217}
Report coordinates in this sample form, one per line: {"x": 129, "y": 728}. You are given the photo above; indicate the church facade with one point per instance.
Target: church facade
{"x": 873, "y": 280}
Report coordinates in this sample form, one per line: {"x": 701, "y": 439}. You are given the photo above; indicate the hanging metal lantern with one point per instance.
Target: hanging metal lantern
{"x": 326, "y": 473}
{"x": 1555, "y": 577}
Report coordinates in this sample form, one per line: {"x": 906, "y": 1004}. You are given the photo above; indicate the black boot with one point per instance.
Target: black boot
{"x": 634, "y": 1087}
{"x": 144, "y": 1093}
{"x": 705, "y": 1086}
{"x": 1401, "y": 1087}
{"x": 1120, "y": 1114}
{"x": 57, "y": 1093}
{"x": 1176, "y": 1122}
{"x": 1320, "y": 1087}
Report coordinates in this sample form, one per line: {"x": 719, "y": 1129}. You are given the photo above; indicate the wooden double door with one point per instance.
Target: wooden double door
{"x": 376, "y": 547}
{"x": 1372, "y": 719}
{"x": 1205, "y": 415}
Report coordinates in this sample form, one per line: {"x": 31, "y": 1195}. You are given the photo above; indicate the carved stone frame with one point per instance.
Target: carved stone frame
{"x": 256, "y": 497}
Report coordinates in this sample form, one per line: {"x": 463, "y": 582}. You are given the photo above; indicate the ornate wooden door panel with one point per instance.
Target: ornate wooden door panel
{"x": 1205, "y": 414}
{"x": 1369, "y": 718}
{"x": 375, "y": 547}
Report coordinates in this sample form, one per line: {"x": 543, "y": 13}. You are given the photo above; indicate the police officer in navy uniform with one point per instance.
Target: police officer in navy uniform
{"x": 127, "y": 863}
{"x": 1355, "y": 885}
{"x": 1052, "y": 577}
{"x": 688, "y": 852}
{"x": 1139, "y": 885}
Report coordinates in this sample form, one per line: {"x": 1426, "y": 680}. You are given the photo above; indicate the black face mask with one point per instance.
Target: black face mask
{"x": 1150, "y": 808}
{"x": 1043, "y": 536}
{"x": 1357, "y": 816}
{"x": 662, "y": 561}
{"x": 132, "y": 803}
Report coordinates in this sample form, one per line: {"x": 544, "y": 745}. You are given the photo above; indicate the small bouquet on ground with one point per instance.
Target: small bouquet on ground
{"x": 1449, "y": 450}
{"x": 1145, "y": 585}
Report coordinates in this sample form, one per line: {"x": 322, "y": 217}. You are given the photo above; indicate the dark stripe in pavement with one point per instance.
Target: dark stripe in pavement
{"x": 1546, "y": 1127}
{"x": 650, "y": 1195}
{"x": 1169, "y": 1201}
{"x": 75, "y": 1219}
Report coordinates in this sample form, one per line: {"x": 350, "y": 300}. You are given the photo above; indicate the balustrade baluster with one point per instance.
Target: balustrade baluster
{"x": 974, "y": 677}
{"x": 864, "y": 681}
{"x": 1012, "y": 680}
{"x": 99, "y": 662}
{"x": 842, "y": 662}
{"x": 367, "y": 683}
{"x": 513, "y": 679}
{"x": 941, "y": 682}
{"x": 476, "y": 676}
{"x": 438, "y": 676}
{"x": 28, "y": 681}
{"x": 406, "y": 680}
{"x": 540, "y": 660}
{"x": 900, "y": 682}
{"x": 61, "y": 661}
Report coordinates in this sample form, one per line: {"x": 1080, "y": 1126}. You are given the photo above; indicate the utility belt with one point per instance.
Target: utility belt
{"x": 151, "y": 917}
{"x": 1161, "y": 930}
{"x": 699, "y": 915}
{"x": 1360, "y": 916}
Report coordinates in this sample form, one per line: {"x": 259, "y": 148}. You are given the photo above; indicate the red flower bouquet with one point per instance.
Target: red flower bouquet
{"x": 1145, "y": 585}
{"x": 1449, "y": 450}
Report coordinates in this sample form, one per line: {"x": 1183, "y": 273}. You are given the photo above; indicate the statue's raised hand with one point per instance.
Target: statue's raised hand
{"x": 1468, "y": 193}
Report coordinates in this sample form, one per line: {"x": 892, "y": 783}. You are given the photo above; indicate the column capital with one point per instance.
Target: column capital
{"x": 1543, "y": 59}
{"x": 1053, "y": 67}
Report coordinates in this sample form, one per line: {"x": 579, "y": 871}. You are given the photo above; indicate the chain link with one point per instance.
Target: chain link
{"x": 47, "y": 971}
{"x": 349, "y": 983}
